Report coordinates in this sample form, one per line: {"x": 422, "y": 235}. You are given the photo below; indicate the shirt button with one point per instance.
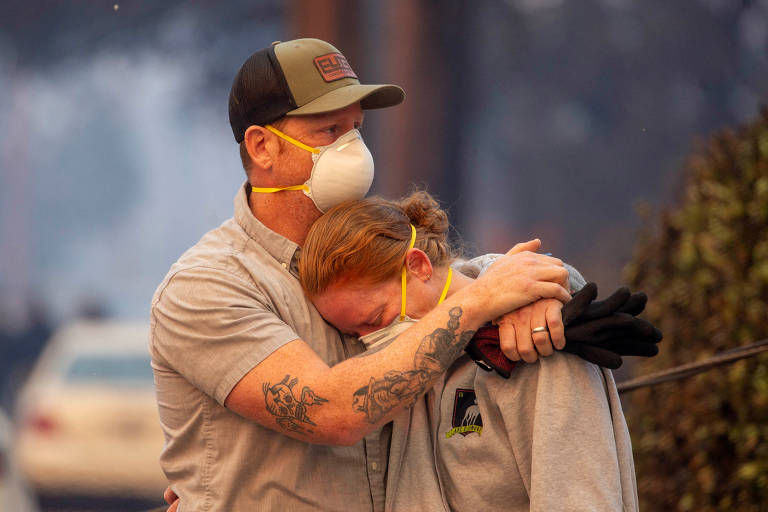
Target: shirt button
{"x": 374, "y": 466}
{"x": 284, "y": 265}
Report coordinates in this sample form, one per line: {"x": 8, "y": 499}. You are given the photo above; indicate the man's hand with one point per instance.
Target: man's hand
{"x": 518, "y": 341}
{"x": 171, "y": 498}
{"x": 519, "y": 278}
{"x": 600, "y": 332}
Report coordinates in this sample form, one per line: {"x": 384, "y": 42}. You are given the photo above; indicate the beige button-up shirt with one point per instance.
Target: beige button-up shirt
{"x": 224, "y": 306}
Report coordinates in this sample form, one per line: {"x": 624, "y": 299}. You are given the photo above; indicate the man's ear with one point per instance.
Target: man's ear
{"x": 260, "y": 146}
{"x": 418, "y": 264}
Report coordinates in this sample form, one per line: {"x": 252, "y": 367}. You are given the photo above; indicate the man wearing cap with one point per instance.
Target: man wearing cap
{"x": 253, "y": 391}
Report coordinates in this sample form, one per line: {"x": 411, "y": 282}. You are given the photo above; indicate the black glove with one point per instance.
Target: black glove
{"x": 603, "y": 331}
{"x": 582, "y": 306}
{"x": 597, "y": 331}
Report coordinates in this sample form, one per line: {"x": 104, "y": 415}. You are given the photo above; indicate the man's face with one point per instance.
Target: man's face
{"x": 294, "y": 165}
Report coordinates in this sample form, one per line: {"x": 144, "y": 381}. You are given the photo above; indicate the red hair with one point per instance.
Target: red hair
{"x": 368, "y": 239}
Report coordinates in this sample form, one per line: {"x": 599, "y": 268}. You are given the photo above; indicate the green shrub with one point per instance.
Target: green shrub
{"x": 702, "y": 443}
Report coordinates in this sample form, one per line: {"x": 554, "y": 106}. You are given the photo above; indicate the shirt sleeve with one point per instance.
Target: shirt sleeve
{"x": 558, "y": 419}
{"x": 213, "y": 327}
{"x": 476, "y": 266}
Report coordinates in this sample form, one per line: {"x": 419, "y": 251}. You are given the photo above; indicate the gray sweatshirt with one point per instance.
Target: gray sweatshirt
{"x": 551, "y": 437}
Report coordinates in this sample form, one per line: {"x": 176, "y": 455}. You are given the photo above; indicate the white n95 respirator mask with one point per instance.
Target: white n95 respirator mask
{"x": 341, "y": 171}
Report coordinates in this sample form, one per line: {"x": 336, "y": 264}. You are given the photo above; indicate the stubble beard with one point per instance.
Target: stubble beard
{"x": 296, "y": 205}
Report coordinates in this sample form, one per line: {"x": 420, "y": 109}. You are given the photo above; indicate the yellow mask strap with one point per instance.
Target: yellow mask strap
{"x": 447, "y": 285}
{"x": 269, "y": 190}
{"x": 291, "y": 139}
{"x": 402, "y": 281}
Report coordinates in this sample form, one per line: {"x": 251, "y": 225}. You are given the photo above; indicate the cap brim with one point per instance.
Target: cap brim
{"x": 369, "y": 96}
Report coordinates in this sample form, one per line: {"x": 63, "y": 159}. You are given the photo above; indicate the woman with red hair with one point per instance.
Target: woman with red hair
{"x": 550, "y": 437}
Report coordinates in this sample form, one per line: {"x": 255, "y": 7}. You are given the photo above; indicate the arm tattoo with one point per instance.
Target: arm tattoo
{"x": 289, "y": 410}
{"x": 436, "y": 352}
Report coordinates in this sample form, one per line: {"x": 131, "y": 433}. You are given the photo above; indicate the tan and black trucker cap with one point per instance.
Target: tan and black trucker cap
{"x": 299, "y": 77}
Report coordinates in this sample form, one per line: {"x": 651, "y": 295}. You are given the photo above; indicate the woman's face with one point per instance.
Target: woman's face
{"x": 357, "y": 307}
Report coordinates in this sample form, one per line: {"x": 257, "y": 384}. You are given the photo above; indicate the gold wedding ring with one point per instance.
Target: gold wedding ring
{"x": 539, "y": 329}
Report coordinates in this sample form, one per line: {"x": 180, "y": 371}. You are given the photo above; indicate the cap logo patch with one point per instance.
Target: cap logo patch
{"x": 466, "y": 414}
{"x": 334, "y": 66}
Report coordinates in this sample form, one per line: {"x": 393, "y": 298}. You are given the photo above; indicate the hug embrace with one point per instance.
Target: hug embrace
{"x": 309, "y": 353}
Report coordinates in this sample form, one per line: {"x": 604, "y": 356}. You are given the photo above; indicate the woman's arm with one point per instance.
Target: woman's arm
{"x": 518, "y": 341}
{"x": 570, "y": 443}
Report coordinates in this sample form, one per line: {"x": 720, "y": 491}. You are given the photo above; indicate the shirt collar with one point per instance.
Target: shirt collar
{"x": 283, "y": 250}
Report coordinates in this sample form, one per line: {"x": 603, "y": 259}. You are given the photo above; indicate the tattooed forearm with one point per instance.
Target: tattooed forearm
{"x": 289, "y": 410}
{"x": 441, "y": 348}
{"x": 436, "y": 352}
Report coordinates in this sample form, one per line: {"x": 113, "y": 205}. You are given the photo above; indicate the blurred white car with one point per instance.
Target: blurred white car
{"x": 88, "y": 422}
{"x": 13, "y": 492}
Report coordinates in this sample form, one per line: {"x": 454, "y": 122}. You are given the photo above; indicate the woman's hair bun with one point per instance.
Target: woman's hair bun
{"x": 369, "y": 238}
{"x": 425, "y": 214}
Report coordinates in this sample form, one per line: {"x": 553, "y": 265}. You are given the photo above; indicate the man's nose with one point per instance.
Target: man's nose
{"x": 344, "y": 128}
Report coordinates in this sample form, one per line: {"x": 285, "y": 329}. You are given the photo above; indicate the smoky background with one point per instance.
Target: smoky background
{"x": 527, "y": 118}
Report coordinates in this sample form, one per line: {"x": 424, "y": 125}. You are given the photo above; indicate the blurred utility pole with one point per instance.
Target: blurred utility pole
{"x": 425, "y": 55}
{"x": 406, "y": 43}
{"x": 335, "y": 21}
{"x": 15, "y": 195}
